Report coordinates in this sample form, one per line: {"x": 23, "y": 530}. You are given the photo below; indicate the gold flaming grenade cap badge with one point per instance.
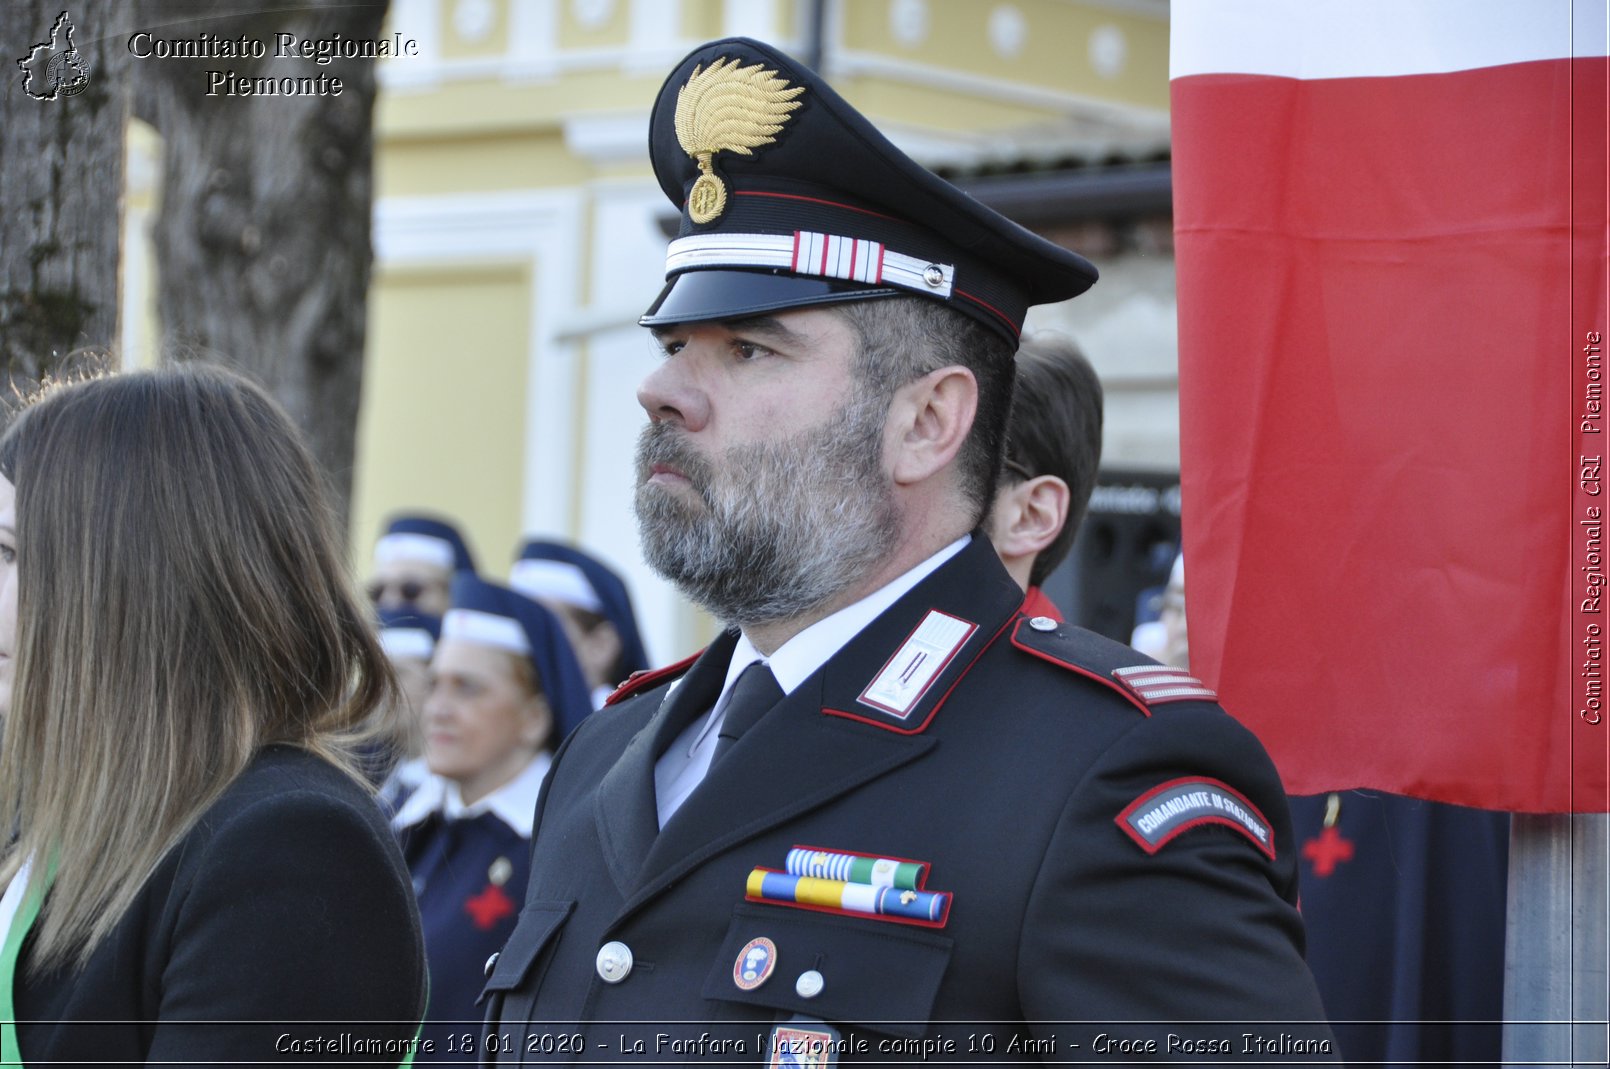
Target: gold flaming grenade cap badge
{"x": 728, "y": 108}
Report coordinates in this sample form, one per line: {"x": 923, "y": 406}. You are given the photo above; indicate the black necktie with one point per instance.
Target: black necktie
{"x": 754, "y": 693}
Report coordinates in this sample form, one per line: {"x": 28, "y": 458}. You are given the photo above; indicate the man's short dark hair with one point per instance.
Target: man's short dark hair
{"x": 904, "y": 338}
{"x": 1055, "y": 429}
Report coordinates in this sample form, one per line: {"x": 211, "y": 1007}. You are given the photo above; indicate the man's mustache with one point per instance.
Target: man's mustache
{"x": 662, "y": 443}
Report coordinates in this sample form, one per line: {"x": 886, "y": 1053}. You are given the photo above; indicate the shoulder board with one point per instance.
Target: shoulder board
{"x": 638, "y": 682}
{"x": 1140, "y": 680}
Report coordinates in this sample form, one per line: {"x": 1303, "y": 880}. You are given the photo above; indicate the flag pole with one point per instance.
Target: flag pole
{"x": 1557, "y": 945}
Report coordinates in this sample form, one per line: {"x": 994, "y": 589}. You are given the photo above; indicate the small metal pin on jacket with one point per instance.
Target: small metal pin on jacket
{"x": 756, "y": 961}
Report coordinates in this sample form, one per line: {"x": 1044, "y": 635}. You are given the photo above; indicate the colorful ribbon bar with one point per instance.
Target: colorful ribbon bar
{"x": 908, "y": 903}
{"x": 855, "y": 868}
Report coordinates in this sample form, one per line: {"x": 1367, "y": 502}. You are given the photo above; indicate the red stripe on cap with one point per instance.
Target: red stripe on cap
{"x": 1017, "y": 331}
{"x": 817, "y": 200}
{"x": 795, "y": 265}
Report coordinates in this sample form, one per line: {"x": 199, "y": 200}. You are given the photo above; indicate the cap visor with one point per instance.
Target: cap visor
{"x": 707, "y": 296}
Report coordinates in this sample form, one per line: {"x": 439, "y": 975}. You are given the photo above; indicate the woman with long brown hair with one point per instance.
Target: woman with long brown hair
{"x": 194, "y": 850}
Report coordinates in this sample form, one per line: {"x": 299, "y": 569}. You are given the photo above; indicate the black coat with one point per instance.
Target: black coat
{"x": 288, "y": 902}
{"x": 1009, "y": 777}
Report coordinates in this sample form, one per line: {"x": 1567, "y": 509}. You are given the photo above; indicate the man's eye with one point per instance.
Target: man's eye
{"x": 748, "y": 350}
{"x": 670, "y": 346}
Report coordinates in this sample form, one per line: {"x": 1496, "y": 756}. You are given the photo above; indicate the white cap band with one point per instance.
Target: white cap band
{"x": 485, "y": 629}
{"x": 426, "y": 548}
{"x": 809, "y": 253}
{"x": 556, "y": 579}
{"x": 413, "y": 642}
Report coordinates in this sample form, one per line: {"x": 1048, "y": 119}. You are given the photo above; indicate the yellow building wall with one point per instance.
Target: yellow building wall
{"x": 612, "y": 31}
{"x": 497, "y": 163}
{"x": 701, "y": 19}
{"x": 443, "y": 421}
{"x": 1055, "y": 53}
{"x": 485, "y": 106}
{"x": 951, "y": 111}
{"x": 491, "y": 41}
{"x": 140, "y": 342}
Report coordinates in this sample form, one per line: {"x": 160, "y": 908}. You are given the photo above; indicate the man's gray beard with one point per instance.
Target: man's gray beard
{"x": 784, "y": 526}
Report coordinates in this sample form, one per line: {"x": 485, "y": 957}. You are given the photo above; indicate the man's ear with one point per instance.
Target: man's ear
{"x": 929, "y": 420}
{"x": 1028, "y": 516}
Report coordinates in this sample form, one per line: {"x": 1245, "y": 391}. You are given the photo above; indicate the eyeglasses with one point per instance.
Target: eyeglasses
{"x": 1016, "y": 469}
{"x": 409, "y": 590}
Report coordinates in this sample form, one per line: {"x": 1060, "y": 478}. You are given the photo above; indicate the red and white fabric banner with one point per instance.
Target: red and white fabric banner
{"x": 1391, "y": 231}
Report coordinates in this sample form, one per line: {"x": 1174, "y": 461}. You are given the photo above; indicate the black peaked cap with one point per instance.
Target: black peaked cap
{"x": 790, "y": 198}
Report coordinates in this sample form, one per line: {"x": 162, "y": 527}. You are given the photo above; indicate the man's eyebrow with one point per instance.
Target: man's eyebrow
{"x": 765, "y": 327}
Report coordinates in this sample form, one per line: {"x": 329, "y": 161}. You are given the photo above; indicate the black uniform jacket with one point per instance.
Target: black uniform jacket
{"x": 287, "y": 903}
{"x": 1010, "y": 778}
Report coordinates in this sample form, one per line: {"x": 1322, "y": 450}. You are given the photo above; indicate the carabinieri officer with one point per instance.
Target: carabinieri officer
{"x": 885, "y": 801}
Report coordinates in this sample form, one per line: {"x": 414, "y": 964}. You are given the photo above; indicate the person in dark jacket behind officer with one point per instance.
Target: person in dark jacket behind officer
{"x": 1053, "y": 451}
{"x": 885, "y": 816}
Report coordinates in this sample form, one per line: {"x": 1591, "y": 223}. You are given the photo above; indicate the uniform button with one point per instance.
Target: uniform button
{"x": 934, "y": 275}
{"x": 1043, "y": 623}
{"x": 614, "y": 962}
{"x": 491, "y": 963}
{"x": 809, "y": 984}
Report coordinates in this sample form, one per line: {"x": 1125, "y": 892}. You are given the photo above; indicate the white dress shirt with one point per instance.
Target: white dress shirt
{"x": 681, "y": 769}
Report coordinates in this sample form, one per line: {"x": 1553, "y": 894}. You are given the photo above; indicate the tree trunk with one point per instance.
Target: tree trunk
{"x": 263, "y": 237}
{"x": 62, "y": 120}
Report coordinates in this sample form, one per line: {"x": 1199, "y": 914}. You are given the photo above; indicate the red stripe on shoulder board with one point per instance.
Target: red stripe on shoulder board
{"x": 639, "y": 681}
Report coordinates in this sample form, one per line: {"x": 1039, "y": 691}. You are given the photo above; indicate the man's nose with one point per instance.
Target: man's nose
{"x": 672, "y": 393}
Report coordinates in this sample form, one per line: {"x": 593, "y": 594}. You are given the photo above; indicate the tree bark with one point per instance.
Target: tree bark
{"x": 62, "y": 120}
{"x": 263, "y": 237}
